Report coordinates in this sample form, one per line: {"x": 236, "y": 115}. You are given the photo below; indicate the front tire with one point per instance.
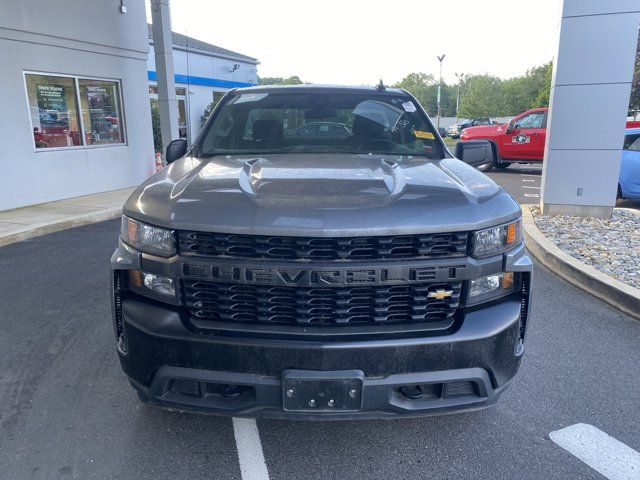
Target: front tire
{"x": 502, "y": 165}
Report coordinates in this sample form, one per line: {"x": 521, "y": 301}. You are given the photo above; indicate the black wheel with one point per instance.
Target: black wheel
{"x": 502, "y": 165}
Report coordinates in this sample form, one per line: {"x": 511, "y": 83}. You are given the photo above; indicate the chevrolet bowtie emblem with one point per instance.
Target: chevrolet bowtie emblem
{"x": 440, "y": 294}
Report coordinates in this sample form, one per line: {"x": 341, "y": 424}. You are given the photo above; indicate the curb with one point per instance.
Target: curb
{"x": 614, "y": 292}
{"x": 35, "y": 230}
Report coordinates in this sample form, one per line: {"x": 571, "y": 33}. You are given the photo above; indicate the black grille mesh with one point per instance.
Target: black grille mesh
{"x": 318, "y": 248}
{"x": 290, "y": 305}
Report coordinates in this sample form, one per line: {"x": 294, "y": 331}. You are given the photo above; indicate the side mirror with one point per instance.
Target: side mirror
{"x": 175, "y": 150}
{"x": 474, "y": 152}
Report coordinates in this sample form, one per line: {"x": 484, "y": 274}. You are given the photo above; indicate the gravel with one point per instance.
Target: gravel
{"x": 610, "y": 245}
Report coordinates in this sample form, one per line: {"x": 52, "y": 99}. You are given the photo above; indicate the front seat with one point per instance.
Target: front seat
{"x": 268, "y": 133}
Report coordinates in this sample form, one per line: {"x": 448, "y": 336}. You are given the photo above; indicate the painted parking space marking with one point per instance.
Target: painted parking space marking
{"x": 250, "y": 454}
{"x": 527, "y": 180}
{"x": 528, "y": 175}
{"x": 527, "y": 186}
{"x": 532, "y": 195}
{"x": 600, "y": 451}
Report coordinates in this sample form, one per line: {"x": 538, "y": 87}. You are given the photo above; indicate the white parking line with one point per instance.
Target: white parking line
{"x": 600, "y": 451}
{"x": 250, "y": 455}
{"x": 527, "y": 175}
{"x": 527, "y": 180}
{"x": 532, "y": 195}
{"x": 526, "y": 186}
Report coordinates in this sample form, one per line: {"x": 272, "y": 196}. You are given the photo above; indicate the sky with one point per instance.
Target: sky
{"x": 355, "y": 42}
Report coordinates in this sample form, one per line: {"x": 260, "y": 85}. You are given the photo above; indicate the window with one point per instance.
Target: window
{"x": 632, "y": 142}
{"x": 100, "y": 107}
{"x": 54, "y": 111}
{"x": 533, "y": 120}
{"x": 58, "y": 122}
{"x": 320, "y": 123}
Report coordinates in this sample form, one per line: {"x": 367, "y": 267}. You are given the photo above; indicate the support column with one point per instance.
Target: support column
{"x": 162, "y": 45}
{"x": 590, "y": 91}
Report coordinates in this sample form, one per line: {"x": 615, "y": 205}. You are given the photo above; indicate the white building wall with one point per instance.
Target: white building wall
{"x": 207, "y": 74}
{"x": 75, "y": 38}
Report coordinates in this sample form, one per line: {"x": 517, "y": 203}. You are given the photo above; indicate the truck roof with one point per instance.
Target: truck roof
{"x": 315, "y": 88}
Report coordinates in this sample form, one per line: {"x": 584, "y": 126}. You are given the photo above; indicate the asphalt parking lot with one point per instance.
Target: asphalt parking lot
{"x": 521, "y": 181}
{"x": 524, "y": 183}
{"x": 67, "y": 411}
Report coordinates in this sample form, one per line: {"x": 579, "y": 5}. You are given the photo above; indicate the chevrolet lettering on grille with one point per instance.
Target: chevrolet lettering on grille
{"x": 323, "y": 277}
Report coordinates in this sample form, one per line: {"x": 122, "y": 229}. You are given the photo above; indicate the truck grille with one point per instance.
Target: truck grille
{"x": 393, "y": 247}
{"x": 292, "y": 305}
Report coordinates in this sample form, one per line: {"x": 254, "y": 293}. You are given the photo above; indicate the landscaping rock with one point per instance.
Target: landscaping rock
{"x": 609, "y": 245}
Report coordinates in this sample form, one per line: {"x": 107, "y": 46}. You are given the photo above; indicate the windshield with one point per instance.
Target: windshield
{"x": 315, "y": 122}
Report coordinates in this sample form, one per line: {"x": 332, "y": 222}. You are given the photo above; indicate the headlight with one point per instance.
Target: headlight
{"x": 153, "y": 285}
{"x": 496, "y": 240}
{"x": 491, "y": 287}
{"x": 148, "y": 239}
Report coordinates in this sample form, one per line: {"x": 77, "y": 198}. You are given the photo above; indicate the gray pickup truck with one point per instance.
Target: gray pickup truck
{"x": 318, "y": 253}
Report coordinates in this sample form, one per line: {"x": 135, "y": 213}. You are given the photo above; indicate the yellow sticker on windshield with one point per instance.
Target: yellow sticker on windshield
{"x": 421, "y": 134}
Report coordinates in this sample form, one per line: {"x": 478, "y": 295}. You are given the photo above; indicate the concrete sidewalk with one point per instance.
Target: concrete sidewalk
{"x": 28, "y": 222}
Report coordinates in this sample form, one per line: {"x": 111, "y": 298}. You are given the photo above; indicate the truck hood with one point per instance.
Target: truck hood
{"x": 320, "y": 195}
{"x": 482, "y": 131}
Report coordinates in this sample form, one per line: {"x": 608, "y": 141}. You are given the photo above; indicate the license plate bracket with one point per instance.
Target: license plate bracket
{"x": 317, "y": 391}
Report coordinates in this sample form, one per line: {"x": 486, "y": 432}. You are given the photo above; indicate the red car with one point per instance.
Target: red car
{"x": 519, "y": 141}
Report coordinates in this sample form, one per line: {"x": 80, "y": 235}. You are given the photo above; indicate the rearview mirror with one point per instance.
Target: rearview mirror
{"x": 474, "y": 152}
{"x": 175, "y": 150}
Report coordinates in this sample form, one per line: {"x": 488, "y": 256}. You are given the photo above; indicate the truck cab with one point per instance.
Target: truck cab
{"x": 521, "y": 140}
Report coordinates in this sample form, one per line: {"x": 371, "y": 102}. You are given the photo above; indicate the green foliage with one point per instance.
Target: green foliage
{"x": 483, "y": 96}
{"x": 530, "y": 90}
{"x": 489, "y": 96}
{"x": 293, "y": 80}
{"x": 634, "y": 102}
{"x": 424, "y": 87}
{"x": 155, "y": 125}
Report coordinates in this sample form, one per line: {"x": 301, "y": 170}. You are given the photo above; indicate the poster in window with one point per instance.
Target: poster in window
{"x": 53, "y": 110}
{"x": 52, "y": 105}
{"x": 100, "y": 109}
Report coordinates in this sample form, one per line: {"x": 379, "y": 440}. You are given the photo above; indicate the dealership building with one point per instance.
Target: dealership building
{"x": 203, "y": 73}
{"x": 77, "y": 80}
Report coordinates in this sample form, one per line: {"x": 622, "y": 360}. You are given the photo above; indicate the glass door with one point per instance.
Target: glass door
{"x": 183, "y": 111}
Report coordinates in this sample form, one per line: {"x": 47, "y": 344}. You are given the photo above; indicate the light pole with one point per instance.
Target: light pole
{"x": 440, "y": 59}
{"x": 459, "y": 76}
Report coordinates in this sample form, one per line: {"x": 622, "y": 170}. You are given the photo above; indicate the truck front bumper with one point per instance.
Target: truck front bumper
{"x": 175, "y": 367}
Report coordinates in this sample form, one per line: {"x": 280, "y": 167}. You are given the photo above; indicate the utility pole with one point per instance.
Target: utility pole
{"x": 459, "y": 76}
{"x": 440, "y": 59}
{"x": 162, "y": 46}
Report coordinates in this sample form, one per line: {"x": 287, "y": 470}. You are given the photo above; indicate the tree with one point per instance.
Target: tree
{"x": 543, "y": 97}
{"x": 419, "y": 85}
{"x": 155, "y": 125}
{"x": 483, "y": 97}
{"x": 530, "y": 90}
{"x": 293, "y": 80}
{"x": 634, "y": 101}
